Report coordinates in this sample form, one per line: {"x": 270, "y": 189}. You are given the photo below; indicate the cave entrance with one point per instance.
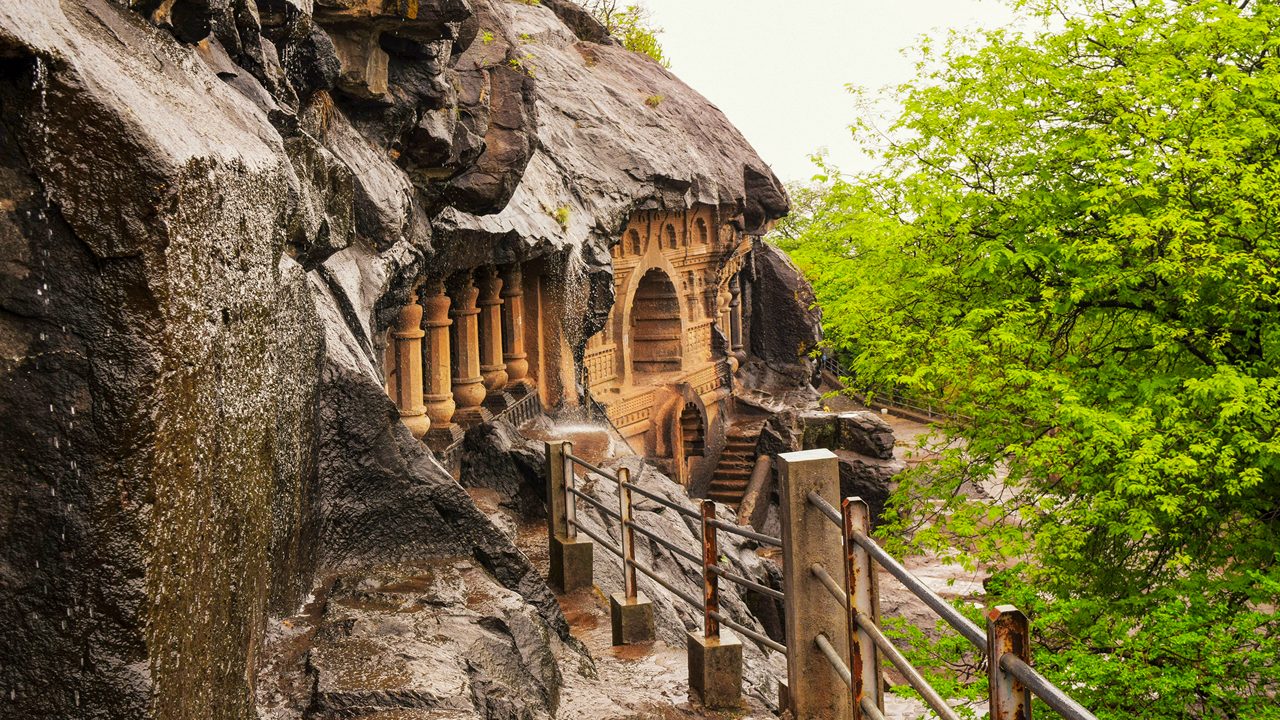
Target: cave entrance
{"x": 692, "y": 433}
{"x": 656, "y": 334}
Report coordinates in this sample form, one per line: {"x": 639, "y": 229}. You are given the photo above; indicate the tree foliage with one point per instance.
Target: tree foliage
{"x": 1072, "y": 245}
{"x": 631, "y": 24}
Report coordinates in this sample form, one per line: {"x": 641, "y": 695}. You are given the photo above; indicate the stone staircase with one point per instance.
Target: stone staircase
{"x": 733, "y": 472}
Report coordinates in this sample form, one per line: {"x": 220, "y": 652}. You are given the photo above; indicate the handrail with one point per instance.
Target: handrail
{"x": 1051, "y": 694}
{"x": 711, "y": 572}
{"x": 913, "y": 676}
{"x": 671, "y": 547}
{"x": 591, "y": 534}
{"x": 806, "y": 548}
{"x": 962, "y": 624}
{"x": 593, "y": 468}
{"x": 739, "y": 580}
{"x": 749, "y": 534}
{"x": 763, "y": 640}
{"x": 596, "y": 504}
{"x": 665, "y": 502}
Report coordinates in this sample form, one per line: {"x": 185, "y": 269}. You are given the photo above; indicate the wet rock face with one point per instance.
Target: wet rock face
{"x": 786, "y": 323}
{"x": 210, "y": 210}
{"x": 869, "y": 479}
{"x": 441, "y": 638}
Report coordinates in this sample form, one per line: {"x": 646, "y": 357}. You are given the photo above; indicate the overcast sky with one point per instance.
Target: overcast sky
{"x": 778, "y": 68}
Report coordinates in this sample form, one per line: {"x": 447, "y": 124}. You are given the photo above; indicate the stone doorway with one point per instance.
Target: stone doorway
{"x": 656, "y": 334}
{"x": 692, "y": 440}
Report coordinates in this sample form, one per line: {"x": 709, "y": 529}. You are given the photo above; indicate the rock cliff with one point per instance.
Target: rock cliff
{"x": 210, "y": 211}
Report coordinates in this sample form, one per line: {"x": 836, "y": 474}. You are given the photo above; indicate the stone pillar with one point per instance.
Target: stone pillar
{"x": 513, "y": 353}
{"x": 810, "y": 538}
{"x": 492, "y": 367}
{"x": 468, "y": 384}
{"x": 726, "y": 327}
{"x": 438, "y": 393}
{"x": 407, "y": 337}
{"x": 735, "y": 319}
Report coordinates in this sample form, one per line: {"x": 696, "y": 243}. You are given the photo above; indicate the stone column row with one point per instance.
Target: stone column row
{"x": 473, "y": 353}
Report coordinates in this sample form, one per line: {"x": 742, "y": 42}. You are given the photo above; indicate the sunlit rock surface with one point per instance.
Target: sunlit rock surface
{"x": 210, "y": 211}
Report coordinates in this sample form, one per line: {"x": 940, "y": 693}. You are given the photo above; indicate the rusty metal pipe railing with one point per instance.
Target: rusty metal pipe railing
{"x": 665, "y": 502}
{"x": 748, "y": 632}
{"x": 710, "y": 581}
{"x": 605, "y": 509}
{"x": 593, "y": 468}
{"x": 913, "y": 676}
{"x": 833, "y": 657}
{"x": 962, "y": 624}
{"x": 605, "y": 543}
{"x": 739, "y": 580}
{"x": 628, "y": 534}
{"x": 670, "y": 547}
{"x": 689, "y": 599}
{"x": 749, "y": 534}
{"x": 1051, "y": 694}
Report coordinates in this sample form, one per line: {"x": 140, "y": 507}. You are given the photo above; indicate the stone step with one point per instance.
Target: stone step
{"x": 727, "y": 497}
{"x": 730, "y": 475}
{"x": 739, "y": 486}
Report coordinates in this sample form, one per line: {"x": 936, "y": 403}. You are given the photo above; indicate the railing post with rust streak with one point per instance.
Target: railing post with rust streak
{"x": 710, "y": 581}
{"x": 863, "y": 592}
{"x": 1008, "y": 632}
{"x": 630, "y": 613}
{"x": 628, "y": 534}
{"x": 571, "y": 558}
{"x": 715, "y": 655}
{"x": 815, "y": 690}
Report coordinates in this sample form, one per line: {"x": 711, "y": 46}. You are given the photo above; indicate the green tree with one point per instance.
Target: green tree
{"x": 631, "y": 24}
{"x": 1072, "y": 244}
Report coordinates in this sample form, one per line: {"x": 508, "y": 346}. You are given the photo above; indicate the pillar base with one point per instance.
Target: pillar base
{"x": 519, "y": 388}
{"x": 470, "y": 417}
{"x": 440, "y": 437}
{"x": 632, "y": 620}
{"x": 498, "y": 401}
{"x": 571, "y": 564}
{"x": 715, "y": 669}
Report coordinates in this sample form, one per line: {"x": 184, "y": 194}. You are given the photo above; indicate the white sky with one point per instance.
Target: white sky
{"x": 778, "y": 68}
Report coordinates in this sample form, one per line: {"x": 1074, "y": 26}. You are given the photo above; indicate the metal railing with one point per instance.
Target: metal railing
{"x": 1006, "y": 642}
{"x": 708, "y": 564}
{"x": 830, "y": 597}
{"x": 894, "y": 398}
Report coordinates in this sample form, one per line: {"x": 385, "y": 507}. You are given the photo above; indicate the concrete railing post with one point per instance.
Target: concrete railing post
{"x": 715, "y": 656}
{"x": 571, "y": 558}
{"x": 630, "y": 613}
{"x": 815, "y": 691}
{"x": 862, "y": 588}
{"x": 1008, "y": 632}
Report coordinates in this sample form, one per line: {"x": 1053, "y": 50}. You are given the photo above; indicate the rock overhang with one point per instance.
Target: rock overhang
{"x": 615, "y": 132}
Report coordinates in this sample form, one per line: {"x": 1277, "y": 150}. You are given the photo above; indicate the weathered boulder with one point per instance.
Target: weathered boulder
{"x": 867, "y": 433}
{"x": 787, "y": 322}
{"x": 495, "y": 456}
{"x": 862, "y": 432}
{"x": 867, "y": 478}
{"x": 424, "y": 640}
